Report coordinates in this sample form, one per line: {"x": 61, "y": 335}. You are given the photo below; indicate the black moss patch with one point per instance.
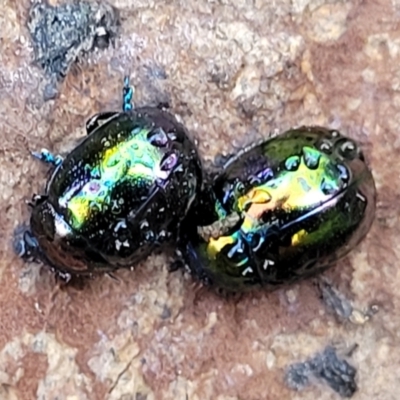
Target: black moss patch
{"x": 326, "y": 367}
{"x": 60, "y": 34}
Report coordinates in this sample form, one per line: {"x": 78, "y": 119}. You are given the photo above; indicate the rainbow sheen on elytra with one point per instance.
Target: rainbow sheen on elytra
{"x": 112, "y": 166}
{"x": 121, "y": 193}
{"x": 281, "y": 210}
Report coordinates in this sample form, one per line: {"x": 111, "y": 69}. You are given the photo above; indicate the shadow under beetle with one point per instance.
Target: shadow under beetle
{"x": 121, "y": 193}
{"x": 282, "y": 209}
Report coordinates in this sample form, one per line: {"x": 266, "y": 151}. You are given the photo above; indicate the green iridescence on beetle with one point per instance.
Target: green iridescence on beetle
{"x": 301, "y": 200}
{"x": 113, "y": 167}
{"x": 304, "y": 183}
{"x": 121, "y": 193}
{"x": 281, "y": 209}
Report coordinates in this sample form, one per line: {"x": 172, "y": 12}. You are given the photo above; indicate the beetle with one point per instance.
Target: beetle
{"x": 118, "y": 195}
{"x": 283, "y": 209}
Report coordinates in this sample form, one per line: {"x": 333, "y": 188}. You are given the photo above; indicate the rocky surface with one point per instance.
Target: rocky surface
{"x": 233, "y": 71}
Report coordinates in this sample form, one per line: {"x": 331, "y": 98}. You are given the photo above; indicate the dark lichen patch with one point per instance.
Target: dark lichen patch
{"x": 60, "y": 34}
{"x": 335, "y": 300}
{"x": 327, "y": 367}
{"x": 342, "y": 307}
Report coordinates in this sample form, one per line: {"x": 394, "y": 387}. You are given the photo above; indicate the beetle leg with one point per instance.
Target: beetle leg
{"x": 63, "y": 277}
{"x": 163, "y": 105}
{"x": 127, "y": 95}
{"x": 176, "y": 265}
{"x": 36, "y": 199}
{"x": 177, "y": 260}
{"x": 47, "y": 157}
{"x": 25, "y": 244}
{"x": 98, "y": 119}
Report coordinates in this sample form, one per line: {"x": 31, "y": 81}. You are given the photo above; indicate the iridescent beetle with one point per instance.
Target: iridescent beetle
{"x": 283, "y": 209}
{"x": 118, "y": 195}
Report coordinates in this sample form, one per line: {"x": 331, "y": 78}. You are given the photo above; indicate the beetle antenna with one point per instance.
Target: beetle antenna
{"x": 127, "y": 95}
